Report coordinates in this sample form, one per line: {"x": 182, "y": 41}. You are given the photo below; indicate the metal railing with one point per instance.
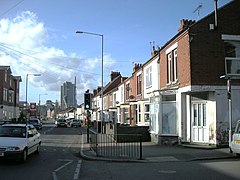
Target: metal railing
{"x": 124, "y": 146}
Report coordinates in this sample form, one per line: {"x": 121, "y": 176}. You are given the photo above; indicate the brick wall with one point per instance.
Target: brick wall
{"x": 200, "y": 51}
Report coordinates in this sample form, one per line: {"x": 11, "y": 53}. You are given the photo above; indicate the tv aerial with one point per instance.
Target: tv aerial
{"x": 197, "y": 10}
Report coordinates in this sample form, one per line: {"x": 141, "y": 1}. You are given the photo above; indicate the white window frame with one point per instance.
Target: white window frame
{"x": 111, "y": 100}
{"x": 139, "y": 84}
{"x": 149, "y": 77}
{"x": 5, "y": 94}
{"x": 139, "y": 114}
{"x": 175, "y": 76}
{"x": 5, "y": 76}
{"x": 146, "y": 112}
{"x": 122, "y": 94}
{"x": 11, "y": 96}
{"x": 236, "y": 60}
{"x": 169, "y": 67}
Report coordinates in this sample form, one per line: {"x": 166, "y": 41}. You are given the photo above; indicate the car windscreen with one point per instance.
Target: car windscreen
{"x": 33, "y": 122}
{"x": 237, "y": 130}
{"x": 12, "y": 131}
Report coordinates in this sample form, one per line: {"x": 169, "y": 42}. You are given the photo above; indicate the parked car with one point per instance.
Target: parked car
{"x": 17, "y": 141}
{"x": 62, "y": 123}
{"x": 235, "y": 144}
{"x": 75, "y": 123}
{"x": 36, "y": 123}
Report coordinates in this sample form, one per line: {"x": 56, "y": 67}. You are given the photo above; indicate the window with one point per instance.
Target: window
{"x": 199, "y": 114}
{"x": 232, "y": 57}
{"x": 111, "y": 100}
{"x": 104, "y": 102}
{"x": 11, "y": 96}
{"x": 127, "y": 90}
{"x": 126, "y": 118}
{"x": 5, "y": 76}
{"x": 122, "y": 94}
{"x": 139, "y": 113}
{"x": 139, "y": 84}
{"x": 175, "y": 65}
{"x": 169, "y": 67}
{"x": 149, "y": 77}
{"x": 5, "y": 94}
{"x": 146, "y": 113}
{"x": 172, "y": 73}
{"x": 114, "y": 100}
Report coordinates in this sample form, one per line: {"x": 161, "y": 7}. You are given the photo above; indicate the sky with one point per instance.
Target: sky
{"x": 39, "y": 37}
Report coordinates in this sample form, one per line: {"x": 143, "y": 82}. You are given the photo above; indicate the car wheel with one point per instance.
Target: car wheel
{"x": 24, "y": 155}
{"x": 38, "y": 149}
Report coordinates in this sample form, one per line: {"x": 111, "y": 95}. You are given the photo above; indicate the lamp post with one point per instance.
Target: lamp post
{"x": 229, "y": 96}
{"x": 40, "y": 104}
{"x": 27, "y": 86}
{"x": 100, "y": 35}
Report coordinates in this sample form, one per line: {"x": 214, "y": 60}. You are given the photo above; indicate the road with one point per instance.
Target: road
{"x": 59, "y": 160}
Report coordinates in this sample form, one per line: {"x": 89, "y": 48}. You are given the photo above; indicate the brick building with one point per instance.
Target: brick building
{"x": 192, "y": 99}
{"x": 9, "y": 90}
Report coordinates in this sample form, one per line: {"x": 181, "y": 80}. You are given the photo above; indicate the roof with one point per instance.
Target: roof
{"x": 5, "y": 68}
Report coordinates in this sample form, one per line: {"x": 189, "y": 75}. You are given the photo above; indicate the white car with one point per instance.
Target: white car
{"x": 17, "y": 141}
{"x": 235, "y": 144}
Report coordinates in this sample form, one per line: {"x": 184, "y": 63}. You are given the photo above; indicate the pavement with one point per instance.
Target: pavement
{"x": 163, "y": 153}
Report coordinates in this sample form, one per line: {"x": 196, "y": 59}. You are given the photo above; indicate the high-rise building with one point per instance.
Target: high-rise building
{"x": 68, "y": 95}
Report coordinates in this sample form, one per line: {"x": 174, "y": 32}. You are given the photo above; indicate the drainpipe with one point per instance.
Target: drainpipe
{"x": 216, "y": 18}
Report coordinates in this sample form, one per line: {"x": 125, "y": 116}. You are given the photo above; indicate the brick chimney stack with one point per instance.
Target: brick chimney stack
{"x": 185, "y": 23}
{"x": 136, "y": 67}
{"x": 113, "y": 75}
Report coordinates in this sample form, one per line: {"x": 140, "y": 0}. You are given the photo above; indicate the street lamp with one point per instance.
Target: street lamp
{"x": 95, "y": 34}
{"x": 228, "y": 77}
{"x": 40, "y": 104}
{"x": 27, "y": 86}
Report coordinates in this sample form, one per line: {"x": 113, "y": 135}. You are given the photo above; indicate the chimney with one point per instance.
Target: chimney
{"x": 136, "y": 67}
{"x": 154, "y": 51}
{"x": 94, "y": 92}
{"x": 99, "y": 89}
{"x": 184, "y": 24}
{"x": 113, "y": 75}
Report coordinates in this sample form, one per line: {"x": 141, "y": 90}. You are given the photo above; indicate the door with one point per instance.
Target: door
{"x": 235, "y": 144}
{"x": 199, "y": 123}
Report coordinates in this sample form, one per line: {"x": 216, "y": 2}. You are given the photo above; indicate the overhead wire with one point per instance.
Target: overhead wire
{"x": 5, "y": 12}
{"x": 6, "y": 47}
{"x": 11, "y": 51}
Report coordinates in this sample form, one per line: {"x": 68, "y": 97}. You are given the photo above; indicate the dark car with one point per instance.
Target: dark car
{"x": 36, "y": 123}
{"x": 62, "y": 123}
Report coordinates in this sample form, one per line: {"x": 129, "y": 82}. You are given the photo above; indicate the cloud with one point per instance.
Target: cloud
{"x": 24, "y": 47}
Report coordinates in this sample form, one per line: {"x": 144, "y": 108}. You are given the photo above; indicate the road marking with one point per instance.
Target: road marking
{"x": 167, "y": 171}
{"x": 54, "y": 173}
{"x": 77, "y": 170}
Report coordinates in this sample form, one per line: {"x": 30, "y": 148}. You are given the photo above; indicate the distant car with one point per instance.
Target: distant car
{"x": 75, "y": 123}
{"x": 235, "y": 144}
{"x": 17, "y": 141}
{"x": 36, "y": 123}
{"x": 62, "y": 123}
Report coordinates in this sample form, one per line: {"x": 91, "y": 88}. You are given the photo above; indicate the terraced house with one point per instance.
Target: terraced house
{"x": 191, "y": 104}
{"x": 179, "y": 92}
{"x": 9, "y": 90}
